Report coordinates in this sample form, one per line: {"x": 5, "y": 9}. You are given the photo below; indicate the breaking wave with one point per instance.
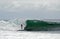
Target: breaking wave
{"x": 14, "y": 25}
{"x": 11, "y": 24}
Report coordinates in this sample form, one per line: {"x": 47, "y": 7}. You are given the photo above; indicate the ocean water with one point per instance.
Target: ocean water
{"x": 15, "y": 25}
{"x": 29, "y": 35}
{"x": 9, "y": 30}
{"x": 12, "y": 24}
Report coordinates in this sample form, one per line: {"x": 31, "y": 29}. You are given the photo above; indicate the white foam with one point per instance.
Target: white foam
{"x": 11, "y": 24}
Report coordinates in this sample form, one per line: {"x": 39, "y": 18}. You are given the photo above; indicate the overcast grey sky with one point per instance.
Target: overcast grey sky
{"x": 42, "y": 9}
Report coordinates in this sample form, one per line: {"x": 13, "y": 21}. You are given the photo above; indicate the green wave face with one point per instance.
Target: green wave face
{"x": 37, "y": 25}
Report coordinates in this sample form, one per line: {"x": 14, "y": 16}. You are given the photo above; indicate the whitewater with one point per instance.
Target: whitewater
{"x": 12, "y": 25}
{"x": 9, "y": 30}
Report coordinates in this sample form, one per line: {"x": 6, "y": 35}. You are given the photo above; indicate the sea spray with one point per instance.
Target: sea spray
{"x": 12, "y": 25}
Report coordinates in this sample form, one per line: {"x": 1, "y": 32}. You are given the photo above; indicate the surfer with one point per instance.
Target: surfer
{"x": 21, "y": 26}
